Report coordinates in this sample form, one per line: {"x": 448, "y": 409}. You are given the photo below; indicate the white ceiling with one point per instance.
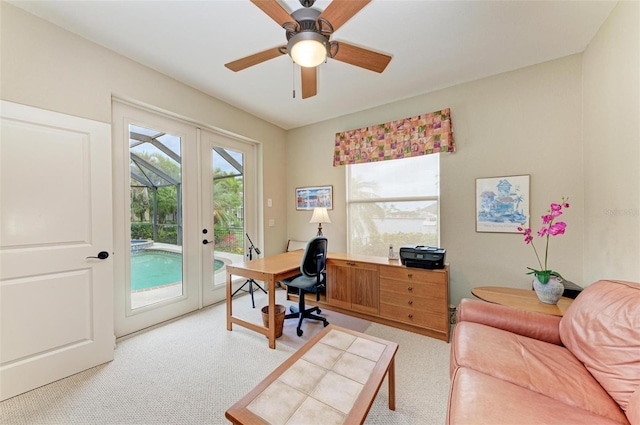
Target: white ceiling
{"x": 434, "y": 44}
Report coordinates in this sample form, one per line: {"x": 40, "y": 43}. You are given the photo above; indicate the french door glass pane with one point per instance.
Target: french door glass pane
{"x": 156, "y": 216}
{"x": 228, "y": 209}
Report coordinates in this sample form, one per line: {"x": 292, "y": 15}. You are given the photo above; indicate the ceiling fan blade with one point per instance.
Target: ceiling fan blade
{"x": 273, "y": 9}
{"x": 309, "y": 82}
{"x": 363, "y": 58}
{"x": 246, "y": 62}
{"x": 340, "y": 11}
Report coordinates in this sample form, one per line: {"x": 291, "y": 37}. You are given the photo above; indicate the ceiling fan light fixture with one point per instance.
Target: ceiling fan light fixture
{"x": 308, "y": 48}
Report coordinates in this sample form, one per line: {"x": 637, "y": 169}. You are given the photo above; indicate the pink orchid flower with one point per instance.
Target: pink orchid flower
{"x": 557, "y": 228}
{"x": 549, "y": 228}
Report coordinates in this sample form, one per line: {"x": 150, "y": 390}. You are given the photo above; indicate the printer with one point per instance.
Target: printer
{"x": 424, "y": 257}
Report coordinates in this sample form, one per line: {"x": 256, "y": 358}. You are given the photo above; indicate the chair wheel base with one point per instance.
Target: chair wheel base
{"x": 299, "y": 332}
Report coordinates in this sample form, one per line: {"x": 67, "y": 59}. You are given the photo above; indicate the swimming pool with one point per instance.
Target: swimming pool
{"x": 150, "y": 269}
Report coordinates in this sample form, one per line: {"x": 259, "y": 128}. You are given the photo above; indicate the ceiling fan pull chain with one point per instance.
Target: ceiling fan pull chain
{"x": 293, "y": 78}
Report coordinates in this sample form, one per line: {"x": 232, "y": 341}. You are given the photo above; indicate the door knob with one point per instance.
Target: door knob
{"x": 102, "y": 255}
{"x": 204, "y": 241}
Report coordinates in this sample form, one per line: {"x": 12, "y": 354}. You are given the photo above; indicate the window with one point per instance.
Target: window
{"x": 393, "y": 202}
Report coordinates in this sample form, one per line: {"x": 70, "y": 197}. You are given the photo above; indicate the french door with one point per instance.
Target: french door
{"x": 228, "y": 200}
{"x": 182, "y": 197}
{"x": 155, "y": 214}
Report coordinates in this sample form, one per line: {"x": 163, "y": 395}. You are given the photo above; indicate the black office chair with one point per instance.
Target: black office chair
{"x": 312, "y": 267}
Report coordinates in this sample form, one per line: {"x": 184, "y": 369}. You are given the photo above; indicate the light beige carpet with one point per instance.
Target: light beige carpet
{"x": 189, "y": 371}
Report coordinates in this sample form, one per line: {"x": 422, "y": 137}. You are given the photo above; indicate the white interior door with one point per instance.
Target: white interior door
{"x": 229, "y": 208}
{"x": 56, "y": 302}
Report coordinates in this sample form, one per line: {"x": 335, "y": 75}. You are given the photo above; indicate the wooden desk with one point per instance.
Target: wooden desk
{"x": 269, "y": 270}
{"x": 370, "y": 288}
{"x": 520, "y": 298}
{"x": 314, "y": 387}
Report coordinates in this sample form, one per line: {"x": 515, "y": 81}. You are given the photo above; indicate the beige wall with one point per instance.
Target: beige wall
{"x": 611, "y": 111}
{"x": 522, "y": 122}
{"x": 50, "y": 68}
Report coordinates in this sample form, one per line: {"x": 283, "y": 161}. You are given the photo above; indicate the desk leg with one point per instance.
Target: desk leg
{"x": 391, "y": 376}
{"x": 272, "y": 312}
{"x": 229, "y": 300}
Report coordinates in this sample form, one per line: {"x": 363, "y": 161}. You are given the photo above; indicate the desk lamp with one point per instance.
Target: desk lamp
{"x": 320, "y": 215}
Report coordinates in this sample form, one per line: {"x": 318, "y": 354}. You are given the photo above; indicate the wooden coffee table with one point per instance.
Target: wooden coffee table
{"x": 332, "y": 379}
{"x": 520, "y": 298}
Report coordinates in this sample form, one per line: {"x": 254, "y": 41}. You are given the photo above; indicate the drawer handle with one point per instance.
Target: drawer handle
{"x": 411, "y": 316}
{"x": 410, "y": 275}
{"x": 410, "y": 288}
{"x": 410, "y": 302}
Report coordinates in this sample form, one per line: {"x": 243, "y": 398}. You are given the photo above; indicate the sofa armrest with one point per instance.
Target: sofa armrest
{"x": 539, "y": 326}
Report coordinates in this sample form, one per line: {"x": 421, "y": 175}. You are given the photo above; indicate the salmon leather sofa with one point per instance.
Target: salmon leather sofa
{"x": 510, "y": 366}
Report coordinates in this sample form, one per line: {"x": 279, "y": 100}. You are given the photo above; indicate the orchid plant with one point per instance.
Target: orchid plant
{"x": 550, "y": 227}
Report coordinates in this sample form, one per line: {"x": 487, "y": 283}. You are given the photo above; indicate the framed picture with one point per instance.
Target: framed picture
{"x": 502, "y": 204}
{"x": 307, "y": 198}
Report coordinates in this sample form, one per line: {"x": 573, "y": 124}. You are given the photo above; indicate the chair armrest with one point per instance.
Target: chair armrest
{"x": 544, "y": 327}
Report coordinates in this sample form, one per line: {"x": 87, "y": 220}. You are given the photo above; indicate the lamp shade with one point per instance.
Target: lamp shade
{"x": 308, "y": 49}
{"x": 320, "y": 215}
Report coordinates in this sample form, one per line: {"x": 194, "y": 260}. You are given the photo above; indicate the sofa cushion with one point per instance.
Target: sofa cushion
{"x": 535, "y": 325}
{"x": 538, "y": 366}
{"x": 602, "y": 329}
{"x": 476, "y": 398}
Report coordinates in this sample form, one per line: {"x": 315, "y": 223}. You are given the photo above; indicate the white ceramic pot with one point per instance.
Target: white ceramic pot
{"x": 550, "y": 292}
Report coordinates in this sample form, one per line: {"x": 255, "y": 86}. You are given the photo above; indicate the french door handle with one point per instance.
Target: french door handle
{"x": 204, "y": 241}
{"x": 102, "y": 255}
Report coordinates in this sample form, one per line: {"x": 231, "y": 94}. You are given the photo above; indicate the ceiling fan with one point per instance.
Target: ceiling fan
{"x": 308, "y": 34}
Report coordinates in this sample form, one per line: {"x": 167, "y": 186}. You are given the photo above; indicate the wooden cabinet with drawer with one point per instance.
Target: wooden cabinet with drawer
{"x": 385, "y": 291}
{"x": 415, "y": 296}
{"x": 353, "y": 285}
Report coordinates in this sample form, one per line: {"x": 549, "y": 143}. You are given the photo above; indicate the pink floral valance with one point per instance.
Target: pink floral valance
{"x": 420, "y": 135}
